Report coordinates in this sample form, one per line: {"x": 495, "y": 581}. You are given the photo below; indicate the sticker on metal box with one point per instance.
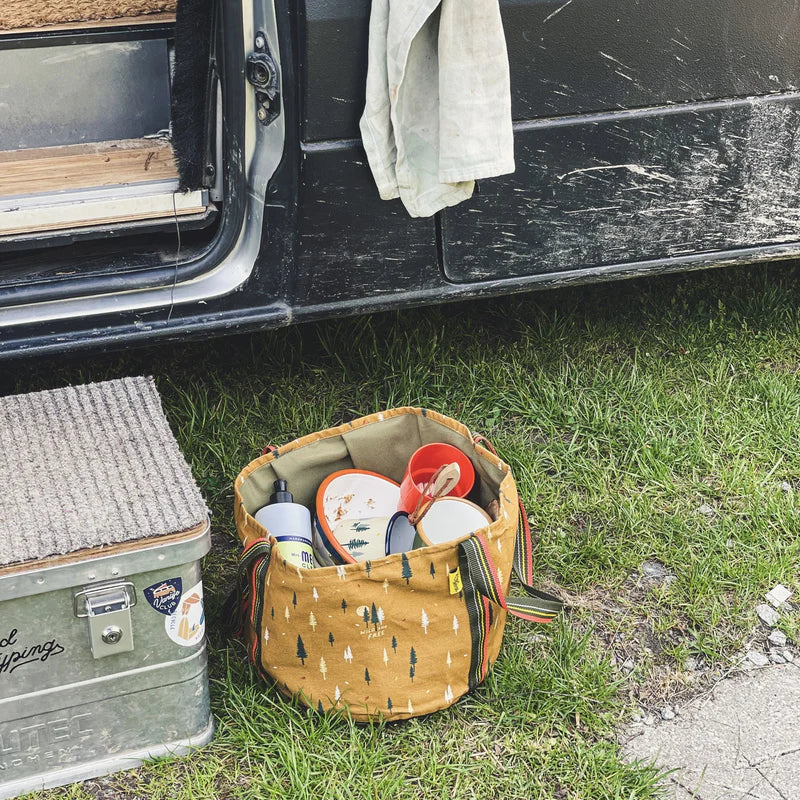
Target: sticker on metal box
{"x": 187, "y": 625}
{"x": 164, "y": 597}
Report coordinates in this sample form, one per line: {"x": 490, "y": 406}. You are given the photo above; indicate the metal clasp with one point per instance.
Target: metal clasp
{"x": 108, "y": 610}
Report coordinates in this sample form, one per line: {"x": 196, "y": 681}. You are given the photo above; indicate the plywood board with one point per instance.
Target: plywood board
{"x": 114, "y": 210}
{"x": 83, "y": 166}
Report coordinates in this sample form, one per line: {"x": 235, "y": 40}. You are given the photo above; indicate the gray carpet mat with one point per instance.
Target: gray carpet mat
{"x": 87, "y": 466}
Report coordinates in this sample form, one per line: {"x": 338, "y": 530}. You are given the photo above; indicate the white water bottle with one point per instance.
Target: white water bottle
{"x": 290, "y": 524}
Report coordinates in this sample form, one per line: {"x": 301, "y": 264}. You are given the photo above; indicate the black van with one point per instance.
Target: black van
{"x": 173, "y": 169}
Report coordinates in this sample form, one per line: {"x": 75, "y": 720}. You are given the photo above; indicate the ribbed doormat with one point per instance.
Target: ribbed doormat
{"x": 87, "y": 466}
{"x": 37, "y": 13}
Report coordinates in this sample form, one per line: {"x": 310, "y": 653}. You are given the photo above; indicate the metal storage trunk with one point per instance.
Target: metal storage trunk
{"x": 102, "y": 645}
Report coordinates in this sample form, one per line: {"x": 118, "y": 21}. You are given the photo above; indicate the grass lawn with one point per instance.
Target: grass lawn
{"x": 653, "y": 420}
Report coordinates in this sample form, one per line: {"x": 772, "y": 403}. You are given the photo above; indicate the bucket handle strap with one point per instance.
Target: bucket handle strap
{"x": 523, "y": 562}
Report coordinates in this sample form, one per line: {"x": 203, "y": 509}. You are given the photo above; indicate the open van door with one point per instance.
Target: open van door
{"x": 136, "y": 142}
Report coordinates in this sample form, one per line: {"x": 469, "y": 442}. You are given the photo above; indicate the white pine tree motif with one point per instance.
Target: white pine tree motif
{"x": 455, "y": 624}
{"x": 386, "y": 585}
{"x": 385, "y": 657}
{"x": 340, "y": 572}
{"x": 314, "y": 594}
{"x": 269, "y": 577}
{"x": 410, "y": 707}
{"x": 380, "y": 616}
{"x": 266, "y": 635}
{"x": 348, "y": 655}
{"x": 336, "y": 695}
{"x": 449, "y": 660}
{"x": 323, "y": 668}
{"x": 286, "y": 613}
{"x": 448, "y": 694}
{"x": 500, "y": 576}
{"x": 424, "y": 621}
{"x": 299, "y": 573}
{"x": 312, "y": 621}
{"x": 499, "y": 545}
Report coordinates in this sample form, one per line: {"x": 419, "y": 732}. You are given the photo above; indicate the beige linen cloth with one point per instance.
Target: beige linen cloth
{"x": 438, "y": 110}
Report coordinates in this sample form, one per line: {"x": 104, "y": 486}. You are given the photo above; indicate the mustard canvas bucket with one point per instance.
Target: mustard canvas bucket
{"x": 400, "y": 636}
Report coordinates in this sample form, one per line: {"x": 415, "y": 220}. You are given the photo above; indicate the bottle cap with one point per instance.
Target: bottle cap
{"x": 281, "y": 494}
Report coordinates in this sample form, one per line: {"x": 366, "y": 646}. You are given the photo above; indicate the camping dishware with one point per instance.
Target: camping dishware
{"x": 451, "y": 518}
{"x": 422, "y": 466}
{"x": 441, "y": 483}
{"x": 345, "y": 496}
{"x": 400, "y": 534}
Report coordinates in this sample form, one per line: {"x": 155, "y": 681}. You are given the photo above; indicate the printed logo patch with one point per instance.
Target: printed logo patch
{"x": 187, "y": 625}
{"x": 165, "y": 596}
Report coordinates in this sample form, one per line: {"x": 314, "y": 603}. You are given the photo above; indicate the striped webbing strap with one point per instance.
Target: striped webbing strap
{"x": 538, "y": 606}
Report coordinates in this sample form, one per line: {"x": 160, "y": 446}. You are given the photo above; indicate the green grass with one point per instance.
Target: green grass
{"x": 622, "y": 408}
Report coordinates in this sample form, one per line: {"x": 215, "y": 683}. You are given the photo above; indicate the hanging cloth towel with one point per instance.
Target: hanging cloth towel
{"x": 438, "y": 110}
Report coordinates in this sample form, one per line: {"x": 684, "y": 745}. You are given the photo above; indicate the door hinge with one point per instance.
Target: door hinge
{"x": 262, "y": 73}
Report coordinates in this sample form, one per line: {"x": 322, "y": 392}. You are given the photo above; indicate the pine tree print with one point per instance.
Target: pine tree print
{"x": 323, "y": 668}
{"x": 315, "y": 594}
{"x": 385, "y": 657}
{"x": 385, "y": 585}
{"x": 432, "y": 570}
{"x": 407, "y": 573}
{"x": 380, "y": 616}
{"x": 320, "y": 709}
{"x": 449, "y": 660}
{"x": 389, "y": 704}
{"x": 301, "y": 651}
{"x": 336, "y": 695}
{"x": 366, "y": 616}
{"x": 374, "y": 616}
{"x": 348, "y": 655}
{"x": 410, "y": 707}
{"x": 312, "y": 621}
{"x": 448, "y": 694}
{"x": 356, "y": 544}
{"x": 344, "y": 606}
{"x": 500, "y": 576}
{"x": 294, "y": 599}
{"x": 272, "y": 612}
{"x": 394, "y": 643}
{"x": 330, "y": 638}
{"x": 286, "y": 613}
{"x": 412, "y": 660}
{"x": 341, "y": 573}
{"x": 366, "y": 675}
{"x": 455, "y": 624}
{"x": 424, "y": 621}
{"x": 266, "y": 635}
{"x": 368, "y": 567}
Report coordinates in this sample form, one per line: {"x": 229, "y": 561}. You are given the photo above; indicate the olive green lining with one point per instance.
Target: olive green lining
{"x": 383, "y": 446}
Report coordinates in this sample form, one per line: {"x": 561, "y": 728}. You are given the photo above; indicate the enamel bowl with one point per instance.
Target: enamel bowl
{"x": 349, "y": 505}
{"x": 451, "y": 518}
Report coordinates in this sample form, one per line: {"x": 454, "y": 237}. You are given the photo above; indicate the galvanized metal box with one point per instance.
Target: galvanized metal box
{"x": 102, "y": 645}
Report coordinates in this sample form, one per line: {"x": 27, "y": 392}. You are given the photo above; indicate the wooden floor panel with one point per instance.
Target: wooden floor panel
{"x": 82, "y": 166}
